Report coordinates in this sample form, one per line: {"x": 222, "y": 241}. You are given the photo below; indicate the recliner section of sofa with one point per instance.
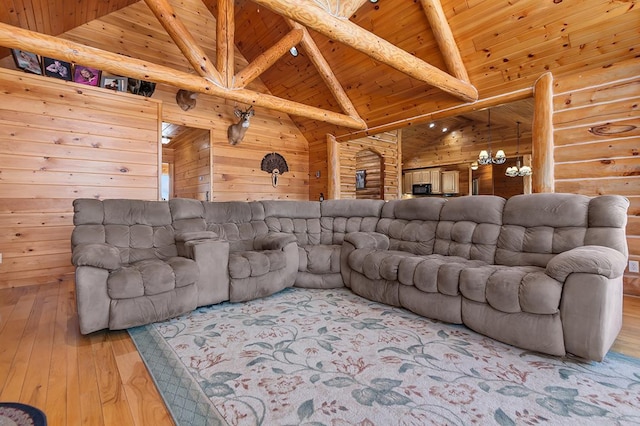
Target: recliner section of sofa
{"x": 541, "y": 271}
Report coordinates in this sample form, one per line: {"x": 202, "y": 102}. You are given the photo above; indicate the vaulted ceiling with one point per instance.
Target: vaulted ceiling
{"x": 504, "y": 45}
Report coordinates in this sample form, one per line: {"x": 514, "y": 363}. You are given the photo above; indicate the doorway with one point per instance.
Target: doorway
{"x": 186, "y": 162}
{"x": 369, "y": 175}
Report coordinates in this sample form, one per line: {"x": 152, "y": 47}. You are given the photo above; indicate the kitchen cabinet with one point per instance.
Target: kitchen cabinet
{"x": 450, "y": 182}
{"x": 408, "y": 182}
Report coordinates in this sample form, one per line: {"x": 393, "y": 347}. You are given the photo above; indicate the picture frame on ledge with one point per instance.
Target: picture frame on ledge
{"x": 56, "y": 68}
{"x": 86, "y": 75}
{"x": 119, "y": 84}
{"x": 27, "y": 61}
{"x": 361, "y": 176}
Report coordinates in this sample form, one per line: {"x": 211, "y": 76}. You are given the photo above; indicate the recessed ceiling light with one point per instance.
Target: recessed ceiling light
{"x": 444, "y": 129}
{"x": 432, "y": 125}
{"x": 165, "y": 140}
{"x": 293, "y": 51}
{"x": 373, "y": 1}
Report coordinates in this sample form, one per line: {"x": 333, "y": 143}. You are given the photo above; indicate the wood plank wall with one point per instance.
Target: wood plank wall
{"x": 371, "y": 163}
{"x": 191, "y": 165}
{"x": 60, "y": 141}
{"x": 386, "y": 145}
{"x": 597, "y": 141}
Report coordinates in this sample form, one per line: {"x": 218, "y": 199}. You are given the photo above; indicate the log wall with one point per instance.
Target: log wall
{"x": 386, "y": 145}
{"x": 597, "y": 141}
{"x": 60, "y": 141}
{"x": 371, "y": 163}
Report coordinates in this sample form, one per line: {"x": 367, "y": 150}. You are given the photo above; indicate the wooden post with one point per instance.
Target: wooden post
{"x": 444, "y": 37}
{"x": 542, "y": 145}
{"x": 399, "y": 163}
{"x": 347, "y": 32}
{"x": 225, "y": 41}
{"x": 333, "y": 168}
{"x": 184, "y": 40}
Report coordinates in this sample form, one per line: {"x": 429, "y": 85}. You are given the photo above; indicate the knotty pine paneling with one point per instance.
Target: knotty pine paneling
{"x": 596, "y": 121}
{"x": 386, "y": 145}
{"x": 60, "y": 141}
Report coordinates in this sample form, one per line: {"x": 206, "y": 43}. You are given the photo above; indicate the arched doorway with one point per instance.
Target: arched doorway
{"x": 369, "y": 175}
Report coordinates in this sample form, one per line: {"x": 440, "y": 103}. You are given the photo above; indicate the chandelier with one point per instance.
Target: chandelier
{"x": 515, "y": 171}
{"x": 485, "y": 156}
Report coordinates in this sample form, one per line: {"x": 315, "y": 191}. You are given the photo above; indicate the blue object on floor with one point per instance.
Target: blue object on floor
{"x": 15, "y": 413}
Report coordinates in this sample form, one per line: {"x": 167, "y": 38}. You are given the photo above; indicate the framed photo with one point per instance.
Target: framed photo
{"x": 27, "y": 61}
{"x": 140, "y": 87}
{"x": 118, "y": 84}
{"x": 361, "y": 179}
{"x": 56, "y": 68}
{"x": 86, "y": 75}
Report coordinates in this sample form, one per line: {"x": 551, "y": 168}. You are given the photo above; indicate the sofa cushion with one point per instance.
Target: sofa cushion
{"x": 320, "y": 259}
{"x": 512, "y": 289}
{"x": 151, "y": 276}
{"x": 245, "y": 264}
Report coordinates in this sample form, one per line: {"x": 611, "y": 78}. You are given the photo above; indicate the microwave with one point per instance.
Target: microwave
{"x": 421, "y": 189}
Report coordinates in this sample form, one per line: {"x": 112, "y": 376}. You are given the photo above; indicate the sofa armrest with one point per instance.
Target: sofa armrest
{"x": 599, "y": 260}
{"x": 197, "y": 235}
{"x": 98, "y": 255}
{"x": 274, "y": 241}
{"x": 370, "y": 240}
{"x": 212, "y": 258}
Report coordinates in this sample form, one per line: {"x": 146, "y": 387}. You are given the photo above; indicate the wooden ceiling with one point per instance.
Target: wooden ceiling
{"x": 504, "y": 45}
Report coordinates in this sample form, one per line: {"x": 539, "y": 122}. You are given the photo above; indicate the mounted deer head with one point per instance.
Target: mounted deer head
{"x": 186, "y": 99}
{"x": 236, "y": 132}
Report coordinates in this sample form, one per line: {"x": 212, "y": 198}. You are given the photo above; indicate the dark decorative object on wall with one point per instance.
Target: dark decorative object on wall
{"x": 140, "y": 87}
{"x": 27, "y": 61}
{"x": 56, "y": 68}
{"x": 275, "y": 164}
{"x": 361, "y": 179}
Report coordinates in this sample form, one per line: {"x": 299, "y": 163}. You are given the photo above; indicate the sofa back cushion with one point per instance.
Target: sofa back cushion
{"x": 138, "y": 229}
{"x": 539, "y": 226}
{"x": 300, "y": 218}
{"x": 238, "y": 222}
{"x": 411, "y": 224}
{"x": 342, "y": 216}
{"x": 469, "y": 227}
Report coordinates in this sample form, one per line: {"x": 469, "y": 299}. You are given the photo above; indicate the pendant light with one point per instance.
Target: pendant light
{"x": 485, "y": 156}
{"x": 515, "y": 171}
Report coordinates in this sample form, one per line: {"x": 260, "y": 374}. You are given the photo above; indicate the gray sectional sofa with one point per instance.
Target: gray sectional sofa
{"x": 542, "y": 271}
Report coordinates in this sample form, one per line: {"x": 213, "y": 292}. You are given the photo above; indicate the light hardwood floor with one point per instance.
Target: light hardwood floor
{"x": 100, "y": 379}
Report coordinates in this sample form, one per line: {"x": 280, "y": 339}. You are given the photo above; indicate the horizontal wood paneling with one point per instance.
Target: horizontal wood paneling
{"x": 192, "y": 165}
{"x": 596, "y": 123}
{"x": 372, "y": 164}
{"x": 60, "y": 141}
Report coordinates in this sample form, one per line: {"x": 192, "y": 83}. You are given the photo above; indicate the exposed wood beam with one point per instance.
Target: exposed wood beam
{"x": 345, "y": 31}
{"x": 444, "y": 37}
{"x": 266, "y": 59}
{"x": 325, "y": 70}
{"x": 225, "y": 40}
{"x": 349, "y": 7}
{"x": 542, "y": 146}
{"x": 42, "y": 44}
{"x": 437, "y": 115}
{"x": 181, "y": 36}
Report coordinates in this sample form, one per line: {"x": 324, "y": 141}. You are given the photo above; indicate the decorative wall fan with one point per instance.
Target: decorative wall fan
{"x": 275, "y": 164}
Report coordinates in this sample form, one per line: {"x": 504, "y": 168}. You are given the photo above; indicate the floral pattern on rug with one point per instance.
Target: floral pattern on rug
{"x": 329, "y": 357}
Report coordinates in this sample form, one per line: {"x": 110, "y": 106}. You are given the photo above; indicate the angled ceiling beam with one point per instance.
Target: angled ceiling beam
{"x": 444, "y": 37}
{"x": 41, "y": 44}
{"x": 345, "y": 31}
{"x": 266, "y": 59}
{"x": 325, "y": 71}
{"x": 225, "y": 39}
{"x": 184, "y": 40}
{"x": 346, "y": 8}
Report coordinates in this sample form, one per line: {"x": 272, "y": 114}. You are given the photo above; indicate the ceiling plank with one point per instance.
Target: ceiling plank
{"x": 184, "y": 40}
{"x": 325, "y": 71}
{"x": 225, "y": 40}
{"x": 444, "y": 37}
{"x": 344, "y": 31}
{"x": 266, "y": 59}
{"x": 41, "y": 44}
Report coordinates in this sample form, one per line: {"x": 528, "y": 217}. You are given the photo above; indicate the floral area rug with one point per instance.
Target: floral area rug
{"x": 329, "y": 357}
